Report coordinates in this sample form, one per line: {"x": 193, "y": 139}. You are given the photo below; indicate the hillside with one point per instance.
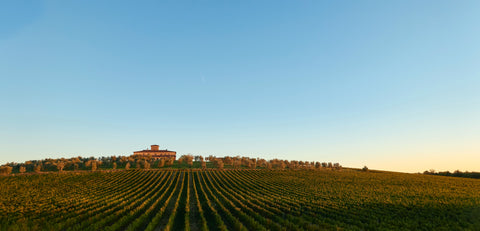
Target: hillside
{"x": 177, "y": 199}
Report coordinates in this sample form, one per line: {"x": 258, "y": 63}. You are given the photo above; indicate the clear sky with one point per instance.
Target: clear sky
{"x": 393, "y": 85}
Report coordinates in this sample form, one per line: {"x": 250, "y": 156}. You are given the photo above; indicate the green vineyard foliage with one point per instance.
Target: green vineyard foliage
{"x": 238, "y": 199}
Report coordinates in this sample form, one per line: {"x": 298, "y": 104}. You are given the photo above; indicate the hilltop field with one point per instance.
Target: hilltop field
{"x": 238, "y": 199}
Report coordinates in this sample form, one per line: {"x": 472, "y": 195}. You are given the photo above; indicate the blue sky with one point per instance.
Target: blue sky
{"x": 393, "y": 85}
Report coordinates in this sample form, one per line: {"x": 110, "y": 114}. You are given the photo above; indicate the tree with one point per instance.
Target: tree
{"x": 169, "y": 161}
{"x": 146, "y": 164}
{"x": 189, "y": 159}
{"x": 365, "y": 168}
{"x": 37, "y": 168}
{"x": 92, "y": 163}
{"x": 114, "y": 165}
{"x": 218, "y": 163}
{"x": 277, "y": 164}
{"x": 198, "y": 158}
{"x": 211, "y": 158}
{"x": 337, "y": 166}
{"x": 181, "y": 159}
{"x": 161, "y": 163}
{"x": 308, "y": 165}
{"x": 6, "y": 170}
{"x": 94, "y": 166}
{"x": 22, "y": 169}
{"x": 269, "y": 166}
{"x": 293, "y": 164}
{"x": 60, "y": 165}
{"x": 253, "y": 163}
{"x": 127, "y": 166}
{"x": 261, "y": 162}
{"x": 236, "y": 163}
{"x": 228, "y": 160}
{"x": 204, "y": 165}
{"x": 456, "y": 173}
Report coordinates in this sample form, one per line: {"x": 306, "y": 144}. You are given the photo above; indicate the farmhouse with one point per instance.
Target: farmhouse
{"x": 155, "y": 153}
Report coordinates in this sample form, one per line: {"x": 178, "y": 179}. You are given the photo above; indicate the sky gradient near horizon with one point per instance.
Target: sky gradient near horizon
{"x": 393, "y": 85}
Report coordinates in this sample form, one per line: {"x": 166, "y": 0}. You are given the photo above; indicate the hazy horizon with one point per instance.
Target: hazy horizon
{"x": 390, "y": 85}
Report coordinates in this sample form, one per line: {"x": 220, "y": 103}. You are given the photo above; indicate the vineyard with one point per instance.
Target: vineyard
{"x": 178, "y": 199}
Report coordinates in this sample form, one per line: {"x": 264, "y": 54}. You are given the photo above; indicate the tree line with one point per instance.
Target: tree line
{"x": 147, "y": 162}
{"x": 456, "y": 173}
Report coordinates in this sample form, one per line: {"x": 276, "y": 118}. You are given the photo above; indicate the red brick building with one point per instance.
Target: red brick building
{"x": 155, "y": 153}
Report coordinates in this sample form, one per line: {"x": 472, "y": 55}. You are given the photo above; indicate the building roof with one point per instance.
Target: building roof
{"x": 154, "y": 151}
